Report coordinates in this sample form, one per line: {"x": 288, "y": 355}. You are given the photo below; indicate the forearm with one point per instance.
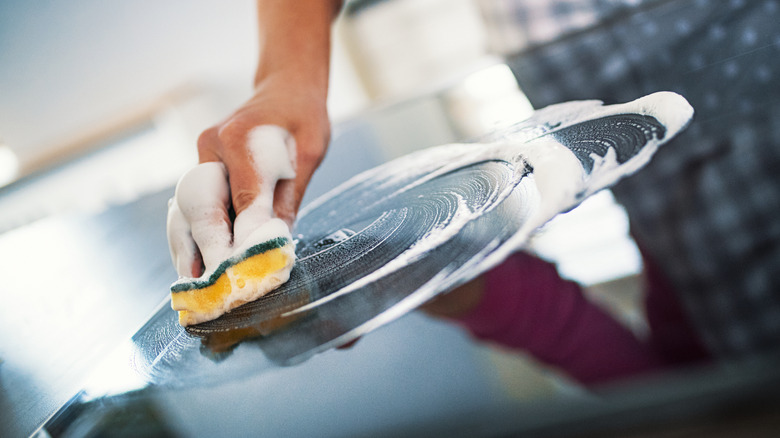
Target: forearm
{"x": 294, "y": 39}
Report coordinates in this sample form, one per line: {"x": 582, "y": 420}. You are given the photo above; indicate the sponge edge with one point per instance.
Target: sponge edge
{"x": 240, "y": 279}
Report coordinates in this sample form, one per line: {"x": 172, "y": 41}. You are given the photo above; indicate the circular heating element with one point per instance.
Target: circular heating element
{"x": 367, "y": 251}
{"x": 392, "y": 238}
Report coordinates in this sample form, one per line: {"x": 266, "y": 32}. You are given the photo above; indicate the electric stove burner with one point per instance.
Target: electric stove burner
{"x": 392, "y": 238}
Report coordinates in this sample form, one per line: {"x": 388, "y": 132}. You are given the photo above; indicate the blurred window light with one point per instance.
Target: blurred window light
{"x": 486, "y": 100}
{"x": 9, "y": 165}
{"x": 591, "y": 244}
{"x": 405, "y": 47}
{"x": 494, "y": 81}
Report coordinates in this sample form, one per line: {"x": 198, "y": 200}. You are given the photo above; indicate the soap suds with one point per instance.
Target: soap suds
{"x": 198, "y": 221}
{"x": 560, "y": 180}
{"x": 273, "y": 156}
{"x": 203, "y": 196}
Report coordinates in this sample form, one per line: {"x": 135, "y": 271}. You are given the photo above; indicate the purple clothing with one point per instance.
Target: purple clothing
{"x": 527, "y": 306}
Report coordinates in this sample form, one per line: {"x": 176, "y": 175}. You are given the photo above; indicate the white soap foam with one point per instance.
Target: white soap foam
{"x": 560, "y": 182}
{"x": 203, "y": 196}
{"x": 559, "y": 177}
{"x": 180, "y": 242}
{"x": 198, "y": 213}
{"x": 272, "y": 150}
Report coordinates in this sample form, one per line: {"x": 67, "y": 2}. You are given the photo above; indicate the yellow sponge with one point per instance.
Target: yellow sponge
{"x": 238, "y": 280}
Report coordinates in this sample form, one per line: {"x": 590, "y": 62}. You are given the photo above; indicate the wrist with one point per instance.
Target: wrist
{"x": 294, "y": 39}
{"x": 295, "y": 77}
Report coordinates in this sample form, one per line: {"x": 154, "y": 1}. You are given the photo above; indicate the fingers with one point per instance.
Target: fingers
{"x": 199, "y": 225}
{"x": 288, "y": 194}
{"x": 285, "y": 201}
{"x": 261, "y": 182}
{"x": 184, "y": 253}
{"x": 202, "y": 197}
{"x": 271, "y": 155}
{"x": 208, "y": 145}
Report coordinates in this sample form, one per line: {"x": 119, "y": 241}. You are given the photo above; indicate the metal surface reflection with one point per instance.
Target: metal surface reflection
{"x": 392, "y": 238}
{"x": 334, "y": 253}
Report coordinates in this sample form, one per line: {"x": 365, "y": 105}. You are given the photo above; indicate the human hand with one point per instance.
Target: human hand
{"x": 279, "y": 101}
{"x": 256, "y": 165}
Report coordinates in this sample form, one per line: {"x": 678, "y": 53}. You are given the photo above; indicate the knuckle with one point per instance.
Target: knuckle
{"x": 233, "y": 131}
{"x": 206, "y": 137}
{"x": 208, "y": 149}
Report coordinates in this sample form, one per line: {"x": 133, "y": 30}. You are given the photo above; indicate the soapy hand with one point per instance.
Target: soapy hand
{"x": 281, "y": 134}
{"x": 301, "y": 114}
{"x": 256, "y": 163}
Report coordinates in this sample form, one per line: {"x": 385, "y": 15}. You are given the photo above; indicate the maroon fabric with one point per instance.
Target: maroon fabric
{"x": 671, "y": 332}
{"x": 526, "y": 305}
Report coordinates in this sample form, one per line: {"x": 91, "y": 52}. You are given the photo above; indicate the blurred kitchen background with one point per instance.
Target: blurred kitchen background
{"x": 101, "y": 103}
